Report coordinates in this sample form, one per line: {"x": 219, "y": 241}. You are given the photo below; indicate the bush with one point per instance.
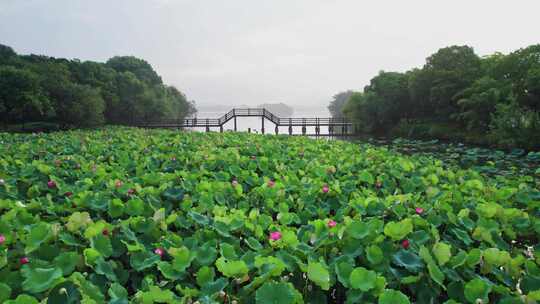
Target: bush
{"x": 513, "y": 125}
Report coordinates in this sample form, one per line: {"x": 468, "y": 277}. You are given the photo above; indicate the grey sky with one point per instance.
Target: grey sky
{"x": 252, "y": 51}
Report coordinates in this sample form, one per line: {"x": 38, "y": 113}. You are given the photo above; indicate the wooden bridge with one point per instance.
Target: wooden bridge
{"x": 336, "y": 126}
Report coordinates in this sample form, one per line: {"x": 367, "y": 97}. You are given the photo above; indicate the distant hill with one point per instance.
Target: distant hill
{"x": 279, "y": 109}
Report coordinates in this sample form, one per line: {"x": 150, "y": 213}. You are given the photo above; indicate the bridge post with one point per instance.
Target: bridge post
{"x": 277, "y": 129}
{"x": 235, "y": 123}
{"x": 249, "y": 130}
{"x": 304, "y": 130}
{"x": 221, "y": 129}
{"x": 290, "y": 130}
{"x": 262, "y": 123}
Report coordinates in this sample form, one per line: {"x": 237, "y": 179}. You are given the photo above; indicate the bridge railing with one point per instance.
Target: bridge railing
{"x": 201, "y": 122}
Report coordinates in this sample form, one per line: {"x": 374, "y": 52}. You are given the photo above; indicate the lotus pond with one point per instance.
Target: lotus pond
{"x": 125, "y": 215}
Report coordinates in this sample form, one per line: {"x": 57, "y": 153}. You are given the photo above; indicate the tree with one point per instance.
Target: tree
{"x": 21, "y": 97}
{"x": 130, "y": 92}
{"x": 522, "y": 68}
{"x": 6, "y": 54}
{"x": 478, "y": 102}
{"x": 338, "y": 103}
{"x": 514, "y": 125}
{"x": 384, "y": 102}
{"x": 453, "y": 69}
{"x": 80, "y": 106}
{"x": 139, "y": 67}
{"x": 181, "y": 107}
{"x": 419, "y": 87}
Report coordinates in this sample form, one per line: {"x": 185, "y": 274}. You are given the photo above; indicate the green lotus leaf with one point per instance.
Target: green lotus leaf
{"x": 434, "y": 271}
{"x": 477, "y": 289}
{"x": 37, "y": 280}
{"x": 157, "y": 295}
{"x": 214, "y": 287}
{"x": 253, "y": 243}
{"x": 398, "y": 230}
{"x": 390, "y": 296}
{"x": 118, "y": 294}
{"x": 205, "y": 275}
{"x": 374, "y": 254}
{"x": 5, "y": 292}
{"x": 343, "y": 267}
{"x": 276, "y": 265}
{"x": 182, "y": 258}
{"x": 116, "y": 208}
{"x": 103, "y": 245}
{"x": 229, "y": 269}
{"x": 39, "y": 234}
{"x": 135, "y": 207}
{"x": 358, "y": 230}
{"x": 366, "y": 177}
{"x": 142, "y": 260}
{"x": 105, "y": 268}
{"x": 173, "y": 194}
{"x": 22, "y": 299}
{"x": 67, "y": 261}
{"x": 78, "y": 221}
{"x": 442, "y": 252}
{"x": 408, "y": 260}
{"x": 206, "y": 254}
{"x": 318, "y": 273}
{"x": 275, "y": 293}
{"x": 362, "y": 279}
{"x": 64, "y": 293}
{"x": 496, "y": 257}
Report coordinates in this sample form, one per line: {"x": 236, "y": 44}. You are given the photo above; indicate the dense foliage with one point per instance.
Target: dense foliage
{"x": 338, "y": 102}
{"x": 72, "y": 93}
{"x": 457, "y": 95}
{"x": 150, "y": 216}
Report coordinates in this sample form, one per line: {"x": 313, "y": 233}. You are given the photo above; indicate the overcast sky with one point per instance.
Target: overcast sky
{"x": 232, "y": 52}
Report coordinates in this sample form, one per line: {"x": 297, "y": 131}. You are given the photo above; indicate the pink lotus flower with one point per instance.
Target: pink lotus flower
{"x": 118, "y": 184}
{"x": 159, "y": 252}
{"x": 271, "y": 183}
{"x": 105, "y": 232}
{"x": 276, "y": 235}
{"x": 405, "y": 244}
{"x": 332, "y": 224}
{"x": 419, "y": 210}
{"x": 24, "y": 260}
{"x": 51, "y": 184}
{"x": 131, "y": 191}
{"x": 325, "y": 189}
{"x": 2, "y": 239}
{"x": 173, "y": 158}
{"x": 68, "y": 194}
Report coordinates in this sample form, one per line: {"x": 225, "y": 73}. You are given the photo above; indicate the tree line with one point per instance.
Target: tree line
{"x": 456, "y": 95}
{"x": 74, "y": 93}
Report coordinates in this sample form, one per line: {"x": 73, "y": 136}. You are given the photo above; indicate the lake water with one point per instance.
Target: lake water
{"x": 244, "y": 123}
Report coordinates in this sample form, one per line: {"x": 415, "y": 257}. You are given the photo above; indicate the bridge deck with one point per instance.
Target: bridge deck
{"x": 341, "y": 125}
